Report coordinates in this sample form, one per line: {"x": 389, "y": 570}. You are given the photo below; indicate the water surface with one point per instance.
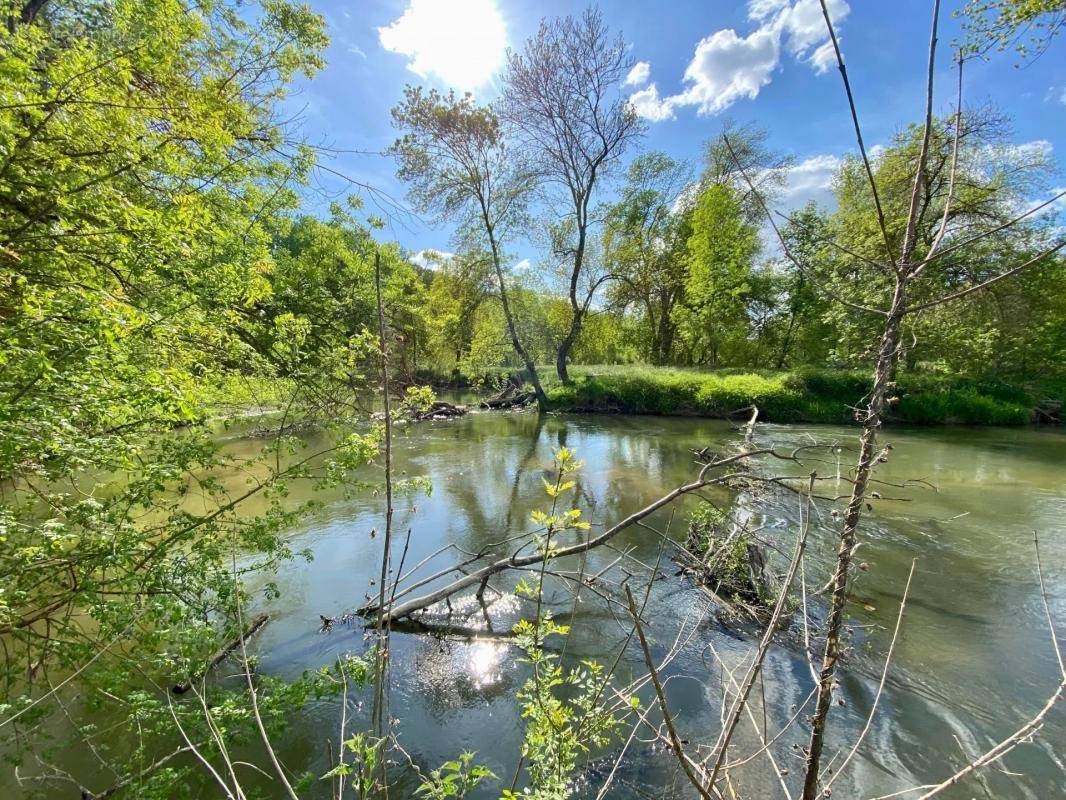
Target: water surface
{"x": 972, "y": 663}
{"x": 973, "y": 660}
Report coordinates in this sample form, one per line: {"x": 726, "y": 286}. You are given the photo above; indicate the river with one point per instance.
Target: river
{"x": 973, "y": 661}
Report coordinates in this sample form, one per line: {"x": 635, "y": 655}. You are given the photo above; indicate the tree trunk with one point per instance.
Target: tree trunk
{"x": 887, "y": 356}
{"x": 564, "y": 349}
{"x": 531, "y": 368}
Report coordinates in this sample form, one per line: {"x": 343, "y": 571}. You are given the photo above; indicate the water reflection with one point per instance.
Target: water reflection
{"x": 956, "y": 673}
{"x": 972, "y": 662}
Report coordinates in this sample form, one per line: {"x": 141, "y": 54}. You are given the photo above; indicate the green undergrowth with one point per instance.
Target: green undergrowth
{"x": 808, "y": 395}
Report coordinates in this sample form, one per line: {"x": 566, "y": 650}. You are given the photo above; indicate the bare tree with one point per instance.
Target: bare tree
{"x": 562, "y": 98}
{"x": 455, "y": 159}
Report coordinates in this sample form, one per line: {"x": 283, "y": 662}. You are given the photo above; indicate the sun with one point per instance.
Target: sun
{"x": 462, "y": 43}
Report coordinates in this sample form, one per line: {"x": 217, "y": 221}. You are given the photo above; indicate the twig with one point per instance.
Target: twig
{"x": 686, "y": 763}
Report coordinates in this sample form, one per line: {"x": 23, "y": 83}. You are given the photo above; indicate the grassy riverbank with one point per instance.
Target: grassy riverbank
{"x": 805, "y": 395}
{"x": 801, "y": 396}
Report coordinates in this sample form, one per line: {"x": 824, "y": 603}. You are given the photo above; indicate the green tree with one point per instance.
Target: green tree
{"x": 802, "y": 335}
{"x": 142, "y": 192}
{"x": 1027, "y": 25}
{"x": 645, "y": 236}
{"x": 722, "y": 249}
{"x": 455, "y": 159}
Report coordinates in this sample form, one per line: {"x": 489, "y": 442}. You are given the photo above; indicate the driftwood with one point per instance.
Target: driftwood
{"x": 253, "y": 627}
{"x": 511, "y": 401}
{"x": 511, "y": 396}
{"x": 1048, "y": 413}
{"x": 440, "y": 409}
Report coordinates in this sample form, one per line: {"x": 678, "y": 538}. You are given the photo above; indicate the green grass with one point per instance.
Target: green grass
{"x": 807, "y": 395}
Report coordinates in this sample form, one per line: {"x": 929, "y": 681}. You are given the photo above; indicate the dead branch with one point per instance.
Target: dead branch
{"x": 690, "y": 768}
{"x": 253, "y": 627}
{"x": 764, "y": 645}
{"x": 518, "y": 561}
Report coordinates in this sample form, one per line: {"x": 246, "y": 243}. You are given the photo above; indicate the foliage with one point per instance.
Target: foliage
{"x": 644, "y": 243}
{"x": 364, "y": 766}
{"x": 722, "y": 247}
{"x": 1026, "y": 25}
{"x": 455, "y": 778}
{"x": 562, "y": 707}
{"x": 806, "y": 395}
{"x": 727, "y": 560}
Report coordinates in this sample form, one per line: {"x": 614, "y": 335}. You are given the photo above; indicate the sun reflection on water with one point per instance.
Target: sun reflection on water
{"x": 484, "y": 659}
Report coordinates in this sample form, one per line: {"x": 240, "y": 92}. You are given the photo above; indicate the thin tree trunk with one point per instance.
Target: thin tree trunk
{"x": 565, "y": 347}
{"x": 531, "y": 368}
{"x": 578, "y": 311}
{"x": 887, "y": 356}
{"x": 383, "y": 639}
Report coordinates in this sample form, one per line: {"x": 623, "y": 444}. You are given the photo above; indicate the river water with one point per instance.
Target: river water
{"x": 973, "y": 660}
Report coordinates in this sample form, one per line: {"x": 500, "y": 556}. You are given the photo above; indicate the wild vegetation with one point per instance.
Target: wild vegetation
{"x": 159, "y": 269}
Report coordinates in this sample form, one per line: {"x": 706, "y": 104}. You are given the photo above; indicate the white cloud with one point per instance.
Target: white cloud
{"x": 638, "y": 76}
{"x": 727, "y": 67}
{"x": 759, "y": 10}
{"x": 649, "y": 105}
{"x": 1036, "y": 150}
{"x": 1055, "y": 95}
{"x": 808, "y": 179}
{"x": 811, "y": 179}
{"x": 356, "y": 50}
{"x": 522, "y": 265}
{"x": 823, "y": 58}
{"x": 804, "y": 23}
{"x": 430, "y": 259}
{"x": 462, "y": 42}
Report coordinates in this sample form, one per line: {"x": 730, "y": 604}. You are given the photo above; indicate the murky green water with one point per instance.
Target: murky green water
{"x": 974, "y": 658}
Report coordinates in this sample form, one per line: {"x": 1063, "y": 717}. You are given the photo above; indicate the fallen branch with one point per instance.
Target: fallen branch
{"x": 253, "y": 627}
{"x": 439, "y": 409}
{"x": 517, "y": 561}
{"x": 511, "y": 401}
{"x": 692, "y": 770}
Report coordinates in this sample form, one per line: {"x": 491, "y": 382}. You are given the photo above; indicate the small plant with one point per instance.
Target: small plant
{"x": 363, "y": 767}
{"x": 454, "y": 778}
{"x": 563, "y": 708}
{"x": 731, "y": 563}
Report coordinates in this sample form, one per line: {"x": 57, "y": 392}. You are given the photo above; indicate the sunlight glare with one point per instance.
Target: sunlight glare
{"x": 483, "y": 662}
{"x": 462, "y": 42}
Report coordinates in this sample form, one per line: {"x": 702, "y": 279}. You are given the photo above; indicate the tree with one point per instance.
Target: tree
{"x": 804, "y": 333}
{"x": 976, "y": 184}
{"x": 458, "y": 287}
{"x": 140, "y": 196}
{"x": 645, "y": 236}
{"x": 562, "y": 98}
{"x": 455, "y": 158}
{"x": 722, "y": 248}
{"x": 905, "y": 271}
{"x": 1028, "y": 25}
{"x": 767, "y": 168}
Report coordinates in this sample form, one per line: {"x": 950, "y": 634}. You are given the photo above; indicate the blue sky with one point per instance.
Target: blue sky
{"x": 758, "y": 61}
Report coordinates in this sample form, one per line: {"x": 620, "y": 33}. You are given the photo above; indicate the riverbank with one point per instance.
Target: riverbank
{"x": 806, "y": 395}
